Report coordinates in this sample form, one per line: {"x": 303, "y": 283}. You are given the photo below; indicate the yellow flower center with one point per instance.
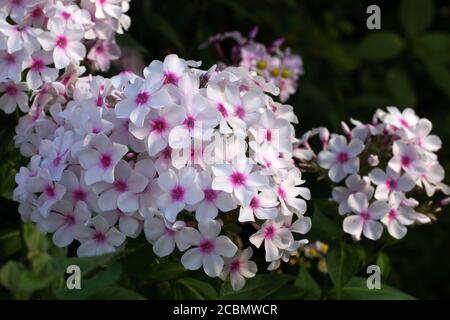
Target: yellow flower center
{"x": 275, "y": 72}
{"x": 285, "y": 73}
{"x": 261, "y": 64}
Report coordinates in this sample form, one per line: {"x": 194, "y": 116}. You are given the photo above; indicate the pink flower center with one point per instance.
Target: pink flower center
{"x": 269, "y": 232}
{"x": 210, "y": 194}
{"x": 50, "y": 191}
{"x": 167, "y": 153}
{"x": 61, "y": 42}
{"x": 100, "y": 50}
{"x": 79, "y": 195}
{"x": 105, "y": 160}
{"x": 222, "y": 110}
{"x": 235, "y": 266}
{"x": 342, "y": 157}
{"x": 189, "y": 122}
{"x": 269, "y": 135}
{"x": 238, "y": 179}
{"x": 177, "y": 193}
{"x": 37, "y": 64}
{"x": 206, "y": 247}
{"x": 404, "y": 123}
{"x": 37, "y": 13}
{"x": 10, "y": 58}
{"x": 281, "y": 193}
{"x": 120, "y": 186}
{"x": 57, "y": 161}
{"x": 255, "y": 203}
{"x": 391, "y": 184}
{"x": 99, "y": 237}
{"x": 170, "y": 77}
{"x": 142, "y": 98}
{"x": 11, "y": 90}
{"x": 159, "y": 125}
{"x": 169, "y": 232}
{"x": 69, "y": 219}
{"x": 99, "y": 101}
{"x": 392, "y": 214}
{"x": 406, "y": 161}
{"x": 66, "y": 15}
{"x": 365, "y": 216}
{"x": 240, "y": 112}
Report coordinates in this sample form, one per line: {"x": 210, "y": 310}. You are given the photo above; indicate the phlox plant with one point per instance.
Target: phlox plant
{"x": 173, "y": 154}
{"x": 202, "y": 164}
{"x": 384, "y": 174}
{"x": 277, "y": 65}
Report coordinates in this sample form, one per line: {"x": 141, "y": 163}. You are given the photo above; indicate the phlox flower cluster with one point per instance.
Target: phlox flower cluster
{"x": 386, "y": 173}
{"x": 278, "y": 66}
{"x": 175, "y": 155}
{"x": 41, "y": 40}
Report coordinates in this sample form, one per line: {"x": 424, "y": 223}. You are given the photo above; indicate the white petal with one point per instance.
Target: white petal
{"x": 115, "y": 237}
{"x": 353, "y": 225}
{"x": 62, "y": 237}
{"x": 337, "y": 173}
{"x": 192, "y": 259}
{"x": 326, "y": 159}
{"x": 358, "y": 202}
{"x": 355, "y": 147}
{"x": 225, "y": 247}
{"x": 396, "y": 230}
{"x": 209, "y": 229}
{"x": 373, "y": 230}
{"x": 164, "y": 246}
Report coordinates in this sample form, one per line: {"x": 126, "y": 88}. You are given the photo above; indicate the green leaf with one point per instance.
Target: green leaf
{"x": 35, "y": 240}
{"x": 166, "y": 271}
{"x": 400, "y": 87}
{"x": 10, "y": 242}
{"x": 117, "y": 293}
{"x": 91, "y": 286}
{"x": 380, "y": 46}
{"x": 435, "y": 46}
{"x": 258, "y": 287}
{"x": 322, "y": 226}
{"x": 190, "y": 288}
{"x": 440, "y": 76}
{"x": 306, "y": 283}
{"x": 383, "y": 262}
{"x": 164, "y": 28}
{"x": 88, "y": 264}
{"x": 343, "y": 262}
{"x": 416, "y": 16}
{"x": 357, "y": 289}
{"x": 22, "y": 282}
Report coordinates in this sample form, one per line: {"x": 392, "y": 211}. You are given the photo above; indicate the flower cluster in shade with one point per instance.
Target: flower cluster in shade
{"x": 43, "y": 41}
{"x": 386, "y": 173}
{"x": 174, "y": 154}
{"x": 316, "y": 252}
{"x": 276, "y": 65}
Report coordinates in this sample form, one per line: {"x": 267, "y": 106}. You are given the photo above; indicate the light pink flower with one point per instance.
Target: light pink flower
{"x": 99, "y": 158}
{"x": 209, "y": 248}
{"x": 65, "y": 43}
{"x": 366, "y": 219}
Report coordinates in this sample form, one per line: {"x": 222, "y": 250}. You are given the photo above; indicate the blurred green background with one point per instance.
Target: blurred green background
{"x": 350, "y": 71}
